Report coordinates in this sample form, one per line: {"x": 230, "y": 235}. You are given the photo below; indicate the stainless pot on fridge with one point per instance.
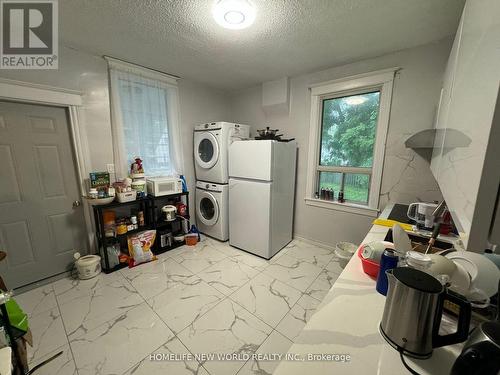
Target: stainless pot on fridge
{"x": 413, "y": 311}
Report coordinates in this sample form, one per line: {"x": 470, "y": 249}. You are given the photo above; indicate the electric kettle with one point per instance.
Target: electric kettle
{"x": 413, "y": 311}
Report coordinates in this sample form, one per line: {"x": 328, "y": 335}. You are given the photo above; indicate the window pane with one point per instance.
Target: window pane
{"x": 348, "y": 130}
{"x": 356, "y": 186}
{"x": 144, "y": 115}
{"x": 330, "y": 180}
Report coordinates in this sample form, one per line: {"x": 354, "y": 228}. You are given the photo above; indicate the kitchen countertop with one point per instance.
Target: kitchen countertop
{"x": 346, "y": 323}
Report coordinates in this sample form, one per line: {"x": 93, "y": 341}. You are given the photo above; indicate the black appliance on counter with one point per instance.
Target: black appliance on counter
{"x": 481, "y": 352}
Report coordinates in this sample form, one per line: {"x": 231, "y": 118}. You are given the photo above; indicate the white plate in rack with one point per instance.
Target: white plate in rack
{"x": 484, "y": 274}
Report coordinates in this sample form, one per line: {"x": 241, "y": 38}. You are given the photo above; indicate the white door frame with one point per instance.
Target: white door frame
{"x": 32, "y": 93}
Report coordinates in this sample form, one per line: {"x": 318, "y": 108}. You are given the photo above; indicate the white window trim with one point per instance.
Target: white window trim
{"x": 141, "y": 71}
{"x": 382, "y": 80}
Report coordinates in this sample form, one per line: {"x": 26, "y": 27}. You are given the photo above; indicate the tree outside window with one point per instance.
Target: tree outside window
{"x": 348, "y": 131}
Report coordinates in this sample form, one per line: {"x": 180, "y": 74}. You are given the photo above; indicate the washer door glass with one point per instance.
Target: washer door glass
{"x": 208, "y": 210}
{"x": 206, "y": 150}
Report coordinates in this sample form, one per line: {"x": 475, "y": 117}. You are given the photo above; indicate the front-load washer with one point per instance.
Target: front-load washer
{"x": 212, "y": 210}
{"x": 211, "y": 145}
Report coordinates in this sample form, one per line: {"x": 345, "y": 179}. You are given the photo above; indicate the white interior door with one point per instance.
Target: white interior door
{"x": 39, "y": 227}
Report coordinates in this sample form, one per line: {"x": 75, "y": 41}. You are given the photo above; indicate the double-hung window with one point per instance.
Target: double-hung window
{"x": 145, "y": 120}
{"x": 349, "y": 122}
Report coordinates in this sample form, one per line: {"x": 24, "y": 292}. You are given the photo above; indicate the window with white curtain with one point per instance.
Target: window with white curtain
{"x": 145, "y": 120}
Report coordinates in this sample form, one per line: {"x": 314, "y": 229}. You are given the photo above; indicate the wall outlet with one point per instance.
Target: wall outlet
{"x": 110, "y": 168}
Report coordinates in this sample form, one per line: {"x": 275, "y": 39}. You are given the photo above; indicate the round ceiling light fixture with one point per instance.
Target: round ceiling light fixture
{"x": 355, "y": 100}
{"x": 234, "y": 14}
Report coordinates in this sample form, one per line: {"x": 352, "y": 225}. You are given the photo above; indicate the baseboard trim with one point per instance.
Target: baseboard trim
{"x": 314, "y": 242}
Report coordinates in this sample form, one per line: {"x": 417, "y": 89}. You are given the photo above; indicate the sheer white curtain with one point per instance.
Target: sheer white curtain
{"x": 145, "y": 120}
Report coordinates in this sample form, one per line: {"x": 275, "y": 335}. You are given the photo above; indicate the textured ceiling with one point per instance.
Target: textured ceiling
{"x": 289, "y": 37}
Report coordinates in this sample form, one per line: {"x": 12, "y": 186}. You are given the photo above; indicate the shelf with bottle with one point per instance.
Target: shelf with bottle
{"x": 169, "y": 223}
{"x": 109, "y": 217}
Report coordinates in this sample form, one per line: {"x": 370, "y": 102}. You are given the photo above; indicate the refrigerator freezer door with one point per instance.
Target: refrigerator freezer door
{"x": 250, "y": 215}
{"x": 251, "y": 160}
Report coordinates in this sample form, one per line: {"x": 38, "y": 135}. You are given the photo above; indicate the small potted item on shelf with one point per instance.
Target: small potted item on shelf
{"x": 136, "y": 168}
{"x": 137, "y": 175}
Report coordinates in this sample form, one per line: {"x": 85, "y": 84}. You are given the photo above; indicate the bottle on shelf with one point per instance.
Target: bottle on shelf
{"x": 341, "y": 196}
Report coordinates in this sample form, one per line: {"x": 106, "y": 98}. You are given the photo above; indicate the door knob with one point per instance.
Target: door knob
{"x": 77, "y": 204}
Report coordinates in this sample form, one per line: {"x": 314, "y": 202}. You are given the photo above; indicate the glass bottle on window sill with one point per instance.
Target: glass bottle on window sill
{"x": 323, "y": 193}
{"x": 341, "y": 196}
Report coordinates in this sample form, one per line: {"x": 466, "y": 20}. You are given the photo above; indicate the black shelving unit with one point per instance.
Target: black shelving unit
{"x": 151, "y": 206}
{"x": 173, "y": 227}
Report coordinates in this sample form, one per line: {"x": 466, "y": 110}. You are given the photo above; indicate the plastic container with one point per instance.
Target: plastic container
{"x": 108, "y": 217}
{"x": 93, "y": 193}
{"x": 419, "y": 261}
{"x": 344, "y": 251}
{"x": 191, "y": 239}
{"x": 179, "y": 238}
{"x": 139, "y": 186}
{"x": 370, "y": 267}
{"x": 88, "y": 266}
{"x": 128, "y": 196}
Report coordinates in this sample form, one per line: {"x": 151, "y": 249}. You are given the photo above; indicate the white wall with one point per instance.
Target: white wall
{"x": 87, "y": 74}
{"x": 199, "y": 104}
{"x": 406, "y": 176}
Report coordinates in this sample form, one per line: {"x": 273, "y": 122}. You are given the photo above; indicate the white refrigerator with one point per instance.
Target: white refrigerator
{"x": 261, "y": 195}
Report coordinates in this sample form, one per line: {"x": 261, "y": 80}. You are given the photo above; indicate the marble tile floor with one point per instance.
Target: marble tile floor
{"x": 209, "y": 299}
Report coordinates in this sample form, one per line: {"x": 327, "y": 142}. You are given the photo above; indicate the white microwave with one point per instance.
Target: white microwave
{"x": 159, "y": 186}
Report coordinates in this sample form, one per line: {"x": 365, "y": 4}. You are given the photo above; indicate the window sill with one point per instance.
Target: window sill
{"x": 346, "y": 207}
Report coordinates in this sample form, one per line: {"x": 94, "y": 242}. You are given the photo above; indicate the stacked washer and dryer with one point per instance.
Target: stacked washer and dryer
{"x": 211, "y": 155}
